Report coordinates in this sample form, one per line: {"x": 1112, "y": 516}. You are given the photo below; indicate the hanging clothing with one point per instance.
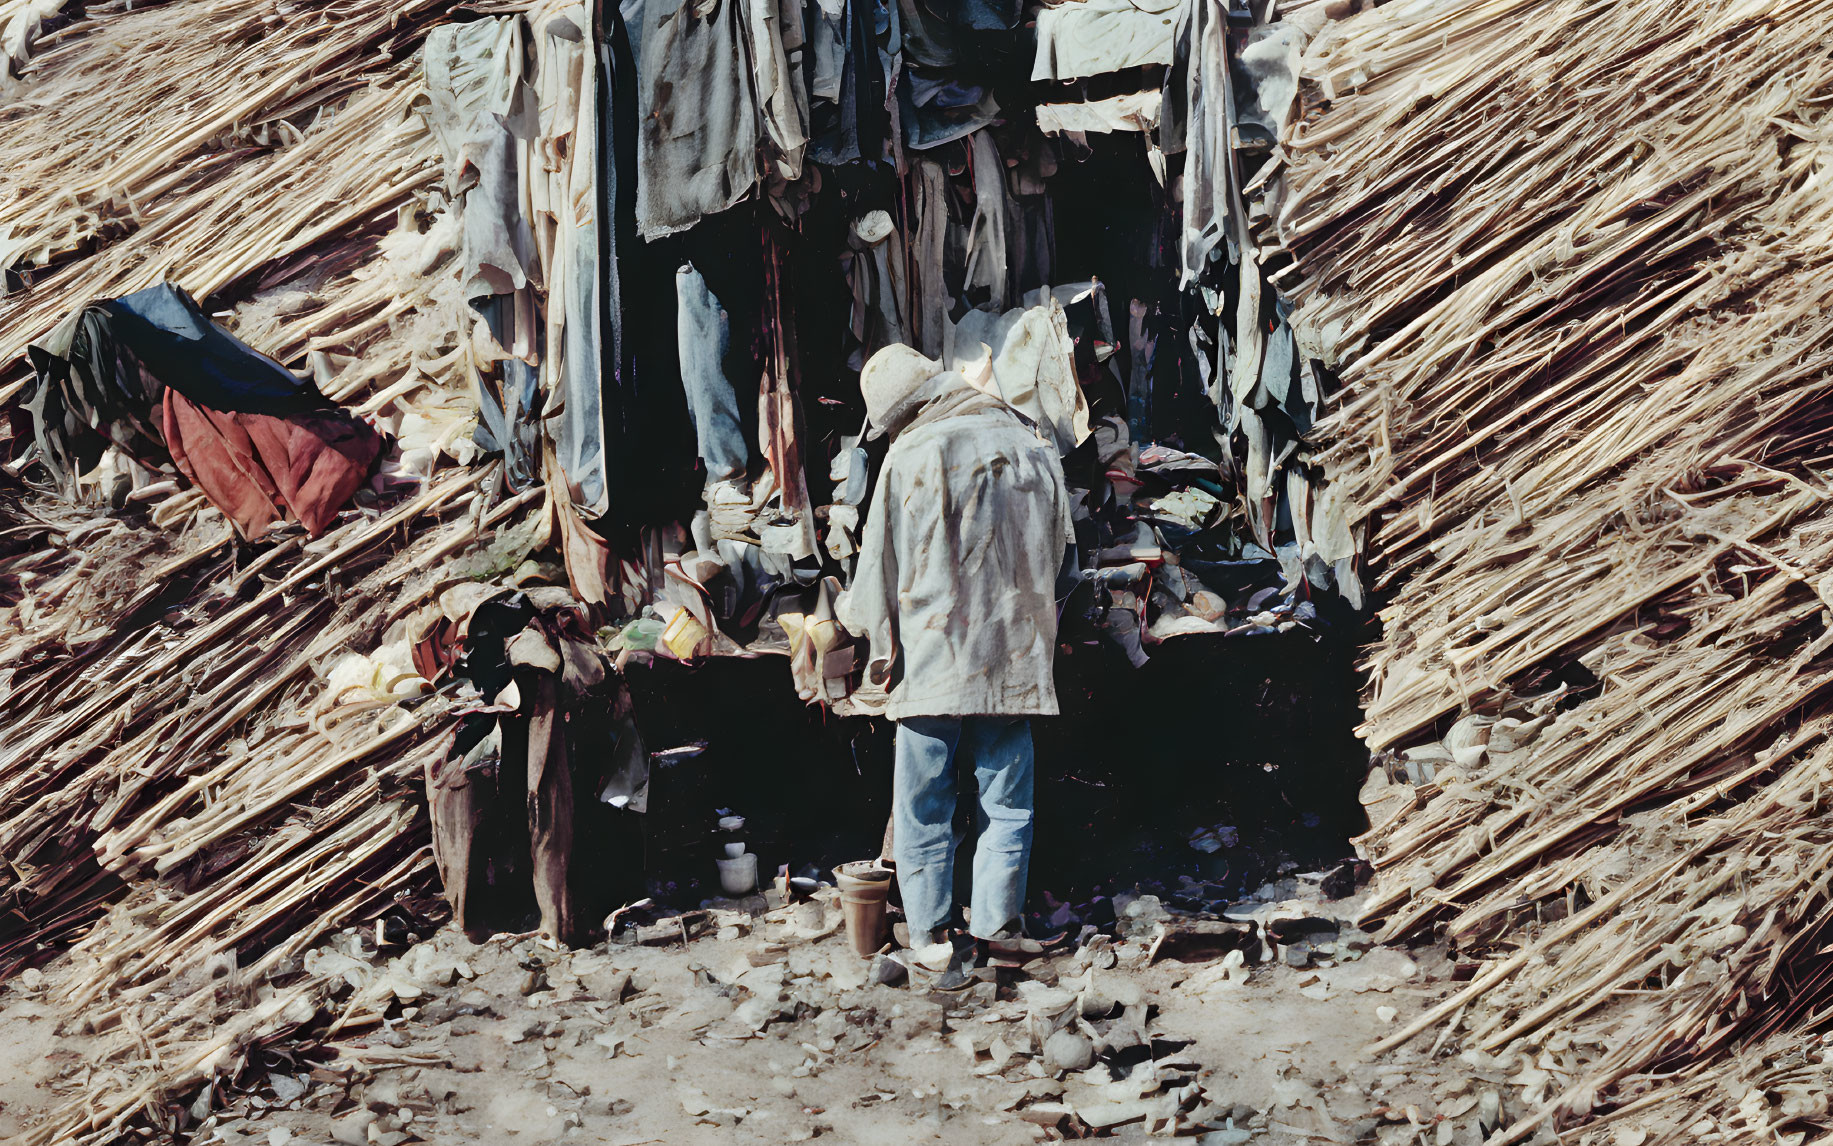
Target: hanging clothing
{"x": 699, "y": 114}
{"x": 567, "y": 207}
{"x": 929, "y": 38}
{"x": 712, "y": 398}
{"x": 848, "y": 79}
{"x": 938, "y": 108}
{"x": 779, "y": 419}
{"x": 484, "y": 113}
{"x": 1134, "y": 111}
{"x": 1026, "y": 357}
{"x": 986, "y": 238}
{"x": 1083, "y": 38}
{"x": 929, "y": 294}
{"x": 874, "y": 267}
{"x": 955, "y": 586}
{"x": 1031, "y": 229}
{"x": 1270, "y": 63}
{"x": 774, "y": 35}
{"x": 483, "y": 110}
{"x": 1196, "y": 114}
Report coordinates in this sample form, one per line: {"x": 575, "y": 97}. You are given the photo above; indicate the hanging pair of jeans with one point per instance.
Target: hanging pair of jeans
{"x": 705, "y": 336}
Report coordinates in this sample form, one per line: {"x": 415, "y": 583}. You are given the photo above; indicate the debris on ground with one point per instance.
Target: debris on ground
{"x": 779, "y": 1033}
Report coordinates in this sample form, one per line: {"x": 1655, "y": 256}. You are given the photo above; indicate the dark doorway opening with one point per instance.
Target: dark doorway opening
{"x": 1251, "y": 739}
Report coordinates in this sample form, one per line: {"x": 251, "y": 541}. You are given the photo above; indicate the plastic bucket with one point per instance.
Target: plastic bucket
{"x": 864, "y": 887}
{"x": 738, "y": 874}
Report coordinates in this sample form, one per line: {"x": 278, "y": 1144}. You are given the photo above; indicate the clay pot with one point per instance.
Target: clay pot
{"x": 864, "y": 887}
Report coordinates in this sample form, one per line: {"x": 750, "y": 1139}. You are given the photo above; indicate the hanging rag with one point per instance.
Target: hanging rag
{"x": 484, "y": 112}
{"x": 1083, "y": 38}
{"x": 699, "y": 113}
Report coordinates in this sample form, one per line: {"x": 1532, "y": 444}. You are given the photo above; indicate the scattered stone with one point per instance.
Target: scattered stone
{"x": 1343, "y": 879}
{"x": 1044, "y": 1002}
{"x": 1096, "y": 1000}
{"x": 1298, "y": 954}
{"x": 1122, "y": 1035}
{"x": 1142, "y": 914}
{"x": 1199, "y": 940}
{"x": 287, "y": 1088}
{"x": 933, "y": 957}
{"x": 1489, "y": 1111}
{"x": 1305, "y": 928}
{"x": 353, "y": 1129}
{"x": 1104, "y": 1115}
{"x": 887, "y": 971}
{"x": 1067, "y": 1050}
{"x": 604, "y": 982}
{"x": 1101, "y": 912}
{"x": 612, "y": 1041}
{"x": 915, "y": 1017}
{"x": 1045, "y": 1113}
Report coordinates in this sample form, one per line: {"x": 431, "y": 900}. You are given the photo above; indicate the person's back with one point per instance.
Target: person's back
{"x": 976, "y": 506}
{"x": 955, "y": 592}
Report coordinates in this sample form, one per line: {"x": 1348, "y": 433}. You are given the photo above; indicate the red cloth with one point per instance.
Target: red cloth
{"x": 438, "y": 651}
{"x": 257, "y": 468}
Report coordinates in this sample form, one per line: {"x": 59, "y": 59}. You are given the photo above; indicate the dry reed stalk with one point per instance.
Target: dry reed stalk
{"x": 186, "y": 812}
{"x": 1576, "y": 262}
{"x": 239, "y": 79}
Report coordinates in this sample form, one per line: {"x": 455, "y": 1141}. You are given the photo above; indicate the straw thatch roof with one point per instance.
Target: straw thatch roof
{"x": 1577, "y": 262}
{"x": 185, "y": 800}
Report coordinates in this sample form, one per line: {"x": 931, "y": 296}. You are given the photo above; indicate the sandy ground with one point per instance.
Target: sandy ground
{"x": 767, "y": 1032}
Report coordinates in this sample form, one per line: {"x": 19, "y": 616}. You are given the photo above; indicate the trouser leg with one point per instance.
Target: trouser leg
{"x": 704, "y": 335}
{"x": 550, "y": 811}
{"x": 923, "y": 813}
{"x": 1003, "y": 767}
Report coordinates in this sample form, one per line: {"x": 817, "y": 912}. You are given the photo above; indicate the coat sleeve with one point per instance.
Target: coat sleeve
{"x": 869, "y": 607}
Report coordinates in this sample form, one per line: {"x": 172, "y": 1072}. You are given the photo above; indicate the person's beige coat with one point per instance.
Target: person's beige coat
{"x": 955, "y": 587}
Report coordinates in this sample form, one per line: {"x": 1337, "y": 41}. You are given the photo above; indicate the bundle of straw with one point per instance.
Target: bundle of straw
{"x": 186, "y": 806}
{"x": 1577, "y": 263}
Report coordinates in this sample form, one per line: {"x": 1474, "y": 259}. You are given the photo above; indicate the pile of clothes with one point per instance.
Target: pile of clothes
{"x": 544, "y": 762}
{"x": 132, "y": 392}
{"x": 687, "y": 226}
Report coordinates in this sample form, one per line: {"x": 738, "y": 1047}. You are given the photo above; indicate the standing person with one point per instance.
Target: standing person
{"x": 955, "y": 591}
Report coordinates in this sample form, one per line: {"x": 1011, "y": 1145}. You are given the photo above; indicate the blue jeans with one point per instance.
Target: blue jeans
{"x": 923, "y": 814}
{"x": 704, "y": 334}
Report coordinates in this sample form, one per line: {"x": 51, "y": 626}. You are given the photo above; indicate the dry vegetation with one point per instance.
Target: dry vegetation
{"x": 1578, "y": 260}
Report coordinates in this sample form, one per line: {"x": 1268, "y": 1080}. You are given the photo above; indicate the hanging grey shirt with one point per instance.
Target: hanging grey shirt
{"x": 698, "y": 148}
